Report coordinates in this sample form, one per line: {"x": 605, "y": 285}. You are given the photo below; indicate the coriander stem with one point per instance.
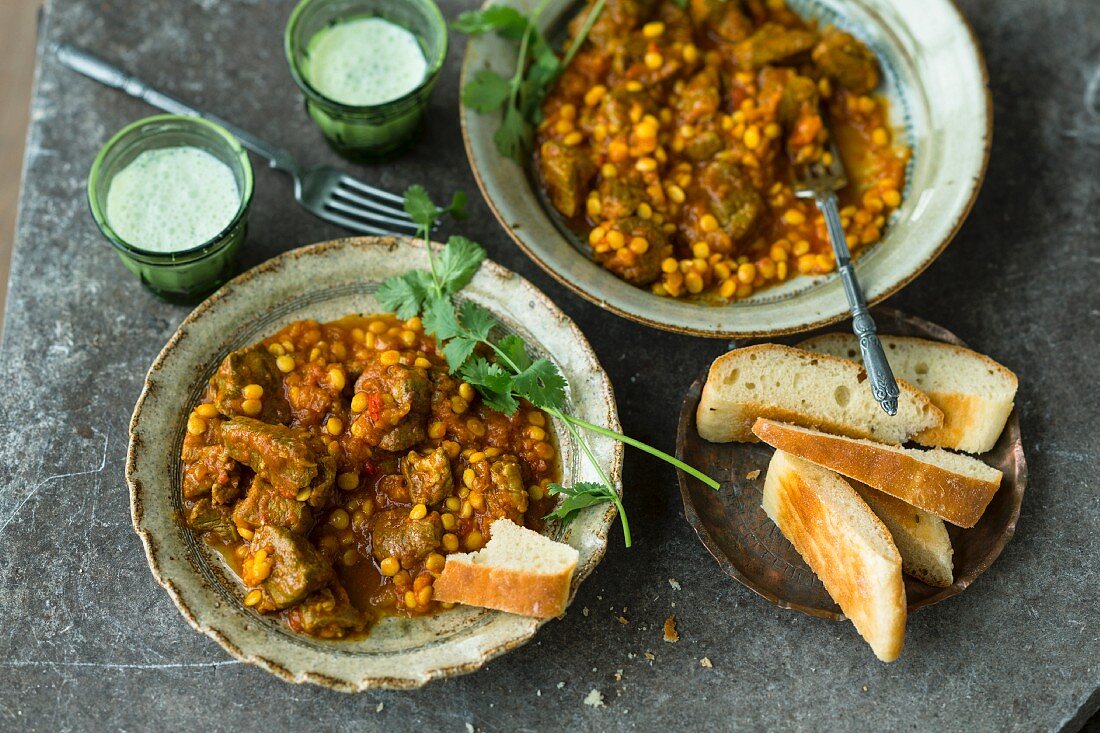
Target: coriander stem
{"x": 644, "y": 447}
{"x": 599, "y": 469}
{"x": 593, "y": 15}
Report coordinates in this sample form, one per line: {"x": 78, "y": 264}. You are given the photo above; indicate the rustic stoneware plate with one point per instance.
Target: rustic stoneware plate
{"x": 935, "y": 79}
{"x": 749, "y": 547}
{"x": 323, "y": 282}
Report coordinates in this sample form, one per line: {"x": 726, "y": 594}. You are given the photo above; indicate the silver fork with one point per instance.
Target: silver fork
{"x": 820, "y": 182}
{"x": 324, "y": 191}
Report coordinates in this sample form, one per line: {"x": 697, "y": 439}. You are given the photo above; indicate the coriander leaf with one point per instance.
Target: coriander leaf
{"x": 457, "y": 209}
{"x": 439, "y": 318}
{"x": 682, "y": 4}
{"x": 541, "y": 384}
{"x": 506, "y": 21}
{"x": 576, "y": 497}
{"x": 404, "y": 295}
{"x": 492, "y": 382}
{"x": 457, "y": 351}
{"x": 419, "y": 206}
{"x": 477, "y": 321}
{"x": 486, "y": 91}
{"x": 516, "y": 351}
{"x": 512, "y": 138}
{"x": 458, "y": 262}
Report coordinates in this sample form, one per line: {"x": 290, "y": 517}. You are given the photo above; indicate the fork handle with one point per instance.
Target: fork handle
{"x": 883, "y": 385}
{"x": 96, "y": 68}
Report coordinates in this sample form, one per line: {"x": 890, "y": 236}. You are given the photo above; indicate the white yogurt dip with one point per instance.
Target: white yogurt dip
{"x": 365, "y": 61}
{"x": 172, "y": 199}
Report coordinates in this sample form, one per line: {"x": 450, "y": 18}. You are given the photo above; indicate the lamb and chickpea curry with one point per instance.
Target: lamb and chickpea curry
{"x": 670, "y": 142}
{"x": 336, "y": 465}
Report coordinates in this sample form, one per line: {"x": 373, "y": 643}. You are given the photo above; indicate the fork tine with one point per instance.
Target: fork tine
{"x": 354, "y": 225}
{"x": 368, "y": 216}
{"x": 371, "y": 190}
{"x": 350, "y": 196}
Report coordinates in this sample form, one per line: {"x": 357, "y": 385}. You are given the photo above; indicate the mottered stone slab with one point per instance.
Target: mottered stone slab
{"x": 89, "y": 642}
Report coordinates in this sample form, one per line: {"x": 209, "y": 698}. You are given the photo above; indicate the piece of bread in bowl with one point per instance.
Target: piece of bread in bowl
{"x": 954, "y": 487}
{"x": 518, "y": 571}
{"x": 801, "y": 387}
{"x": 845, "y": 544}
{"x": 974, "y": 392}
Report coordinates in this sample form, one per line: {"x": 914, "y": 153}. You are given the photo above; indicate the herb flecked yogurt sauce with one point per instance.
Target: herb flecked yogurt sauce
{"x": 365, "y": 61}
{"x": 172, "y": 199}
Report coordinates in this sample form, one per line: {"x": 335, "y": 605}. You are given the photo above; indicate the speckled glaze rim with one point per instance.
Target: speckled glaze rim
{"x": 202, "y": 592}
{"x": 924, "y": 329}
{"x": 486, "y": 174}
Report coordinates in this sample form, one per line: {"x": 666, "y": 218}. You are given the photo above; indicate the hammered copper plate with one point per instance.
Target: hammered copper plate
{"x": 750, "y": 548}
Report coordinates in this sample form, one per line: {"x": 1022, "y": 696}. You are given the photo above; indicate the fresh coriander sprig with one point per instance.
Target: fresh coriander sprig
{"x": 537, "y": 68}
{"x": 511, "y": 374}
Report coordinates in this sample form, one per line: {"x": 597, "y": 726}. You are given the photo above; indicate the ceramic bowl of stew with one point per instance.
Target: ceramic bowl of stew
{"x": 930, "y": 98}
{"x": 401, "y": 646}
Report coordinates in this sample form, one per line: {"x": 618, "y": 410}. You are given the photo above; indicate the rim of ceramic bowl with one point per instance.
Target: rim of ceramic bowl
{"x": 485, "y": 172}
{"x": 209, "y": 598}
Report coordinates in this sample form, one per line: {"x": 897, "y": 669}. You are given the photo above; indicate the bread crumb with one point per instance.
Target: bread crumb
{"x": 380, "y": 706}
{"x": 674, "y": 583}
{"x": 538, "y": 693}
{"x": 705, "y": 662}
{"x": 594, "y": 699}
{"x": 561, "y": 685}
{"x": 650, "y": 656}
{"x": 671, "y": 634}
{"x": 865, "y": 688}
{"x": 623, "y": 620}
{"x": 585, "y": 611}
{"x": 469, "y": 728}
{"x": 618, "y": 675}
{"x": 753, "y": 475}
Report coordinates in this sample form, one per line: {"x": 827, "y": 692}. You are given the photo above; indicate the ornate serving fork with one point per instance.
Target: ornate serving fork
{"x": 820, "y": 182}
{"x": 325, "y": 192}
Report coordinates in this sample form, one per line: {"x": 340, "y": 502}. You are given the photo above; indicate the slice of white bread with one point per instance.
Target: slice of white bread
{"x": 518, "y": 571}
{"x": 950, "y": 485}
{"x": 974, "y": 392}
{"x": 921, "y": 538}
{"x": 804, "y": 388}
{"x": 844, "y": 543}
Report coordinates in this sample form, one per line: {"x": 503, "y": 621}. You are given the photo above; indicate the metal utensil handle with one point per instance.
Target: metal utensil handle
{"x": 883, "y": 385}
{"x": 96, "y": 68}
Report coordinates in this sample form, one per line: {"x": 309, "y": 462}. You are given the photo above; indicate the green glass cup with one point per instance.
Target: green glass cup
{"x": 186, "y": 276}
{"x": 366, "y": 133}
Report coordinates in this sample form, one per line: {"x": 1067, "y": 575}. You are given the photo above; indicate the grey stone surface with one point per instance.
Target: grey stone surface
{"x": 89, "y": 642}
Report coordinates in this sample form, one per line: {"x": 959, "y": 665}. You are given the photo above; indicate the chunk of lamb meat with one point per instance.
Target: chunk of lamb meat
{"x": 428, "y": 477}
{"x": 620, "y": 196}
{"x": 792, "y": 94}
{"x": 210, "y": 470}
{"x": 847, "y": 60}
{"x": 398, "y": 404}
{"x": 264, "y": 505}
{"x": 251, "y": 365}
{"x": 394, "y": 534}
{"x": 724, "y": 17}
{"x": 294, "y": 568}
{"x": 327, "y": 614}
{"x": 640, "y": 269}
{"x": 290, "y": 459}
{"x": 566, "y": 171}
{"x": 506, "y": 495}
{"x": 206, "y": 518}
{"x": 771, "y": 43}
{"x": 732, "y": 198}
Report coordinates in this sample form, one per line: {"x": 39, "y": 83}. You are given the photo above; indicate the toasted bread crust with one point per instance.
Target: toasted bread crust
{"x": 861, "y": 574}
{"x": 514, "y": 591}
{"x": 953, "y": 497}
{"x": 920, "y": 537}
